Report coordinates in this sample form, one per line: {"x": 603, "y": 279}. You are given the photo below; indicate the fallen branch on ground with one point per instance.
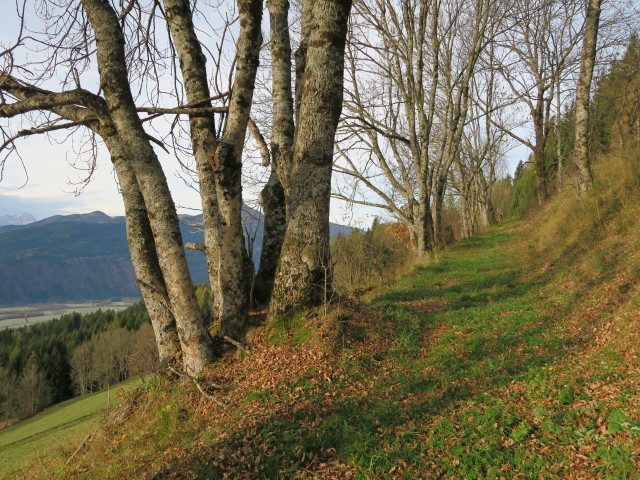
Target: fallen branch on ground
{"x": 206, "y": 394}
{"x": 235, "y": 343}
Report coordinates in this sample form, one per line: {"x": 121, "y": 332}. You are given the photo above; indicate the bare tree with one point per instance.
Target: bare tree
{"x": 8, "y": 395}
{"x": 473, "y": 28}
{"x": 219, "y": 158}
{"x": 139, "y": 234}
{"x": 476, "y": 167}
{"x": 33, "y": 389}
{"x": 278, "y": 156}
{"x": 386, "y": 133}
{"x": 410, "y": 67}
{"x": 81, "y": 362}
{"x": 114, "y": 117}
{"x": 536, "y": 50}
{"x": 110, "y": 356}
{"x": 143, "y": 357}
{"x": 127, "y": 53}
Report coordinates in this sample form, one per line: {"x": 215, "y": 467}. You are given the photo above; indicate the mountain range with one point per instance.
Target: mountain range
{"x": 79, "y": 257}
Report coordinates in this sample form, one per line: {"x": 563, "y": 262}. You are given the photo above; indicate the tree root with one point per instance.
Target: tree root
{"x": 204, "y": 393}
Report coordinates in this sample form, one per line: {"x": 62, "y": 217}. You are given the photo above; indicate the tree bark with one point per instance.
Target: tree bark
{"x": 228, "y": 173}
{"x": 273, "y": 204}
{"x": 424, "y": 226}
{"x": 438, "y": 208}
{"x": 195, "y": 341}
{"x": 538, "y": 151}
{"x": 587, "y": 62}
{"x": 303, "y": 276}
{"x": 273, "y": 197}
{"x": 219, "y": 160}
{"x": 203, "y": 141}
{"x": 142, "y": 249}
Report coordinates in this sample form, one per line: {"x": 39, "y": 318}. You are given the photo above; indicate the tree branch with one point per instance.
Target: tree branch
{"x": 196, "y": 111}
{"x": 37, "y": 130}
{"x": 262, "y": 143}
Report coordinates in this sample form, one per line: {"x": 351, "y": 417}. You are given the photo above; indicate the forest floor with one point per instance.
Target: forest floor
{"x": 482, "y": 364}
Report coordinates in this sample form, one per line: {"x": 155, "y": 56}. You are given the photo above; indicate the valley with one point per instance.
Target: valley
{"x": 21, "y": 316}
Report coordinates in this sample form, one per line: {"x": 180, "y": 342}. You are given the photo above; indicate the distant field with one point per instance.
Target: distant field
{"x": 63, "y": 425}
{"x": 21, "y": 316}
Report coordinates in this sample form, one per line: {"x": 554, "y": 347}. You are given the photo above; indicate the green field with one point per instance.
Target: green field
{"x": 61, "y": 426}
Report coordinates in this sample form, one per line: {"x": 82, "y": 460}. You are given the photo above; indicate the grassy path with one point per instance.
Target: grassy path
{"x": 479, "y": 381}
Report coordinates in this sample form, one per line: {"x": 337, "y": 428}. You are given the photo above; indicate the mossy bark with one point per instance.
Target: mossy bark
{"x": 303, "y": 277}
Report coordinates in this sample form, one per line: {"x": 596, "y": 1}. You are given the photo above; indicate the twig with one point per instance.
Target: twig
{"x": 235, "y": 343}
{"x": 219, "y": 386}
{"x": 202, "y": 390}
{"x": 195, "y": 246}
{"x": 183, "y": 110}
{"x": 80, "y": 447}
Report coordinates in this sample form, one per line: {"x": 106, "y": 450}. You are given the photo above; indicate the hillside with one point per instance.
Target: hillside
{"x": 514, "y": 355}
{"x": 66, "y": 424}
{"x": 74, "y": 258}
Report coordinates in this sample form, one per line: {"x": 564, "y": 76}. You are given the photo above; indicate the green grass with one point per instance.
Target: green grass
{"x": 479, "y": 389}
{"x": 61, "y": 426}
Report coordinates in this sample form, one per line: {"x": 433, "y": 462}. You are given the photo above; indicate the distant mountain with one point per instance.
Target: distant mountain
{"x": 81, "y": 257}
{"x": 19, "y": 219}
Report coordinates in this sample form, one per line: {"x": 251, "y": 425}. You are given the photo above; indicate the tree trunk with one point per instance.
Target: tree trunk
{"x": 438, "y": 210}
{"x": 587, "y": 62}
{"x": 145, "y": 261}
{"x": 304, "y": 274}
{"x": 275, "y": 224}
{"x": 139, "y": 235}
{"x": 203, "y": 140}
{"x": 195, "y": 341}
{"x": 219, "y": 161}
{"x": 228, "y": 173}
{"x": 273, "y": 196}
{"x": 424, "y": 224}
{"x": 538, "y": 152}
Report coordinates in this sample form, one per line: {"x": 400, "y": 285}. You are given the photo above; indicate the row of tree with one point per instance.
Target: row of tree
{"x": 438, "y": 91}
{"x": 613, "y": 126}
{"x": 127, "y": 46}
{"x": 430, "y": 85}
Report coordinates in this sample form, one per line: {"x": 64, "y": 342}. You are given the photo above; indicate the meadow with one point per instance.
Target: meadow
{"x": 63, "y": 426}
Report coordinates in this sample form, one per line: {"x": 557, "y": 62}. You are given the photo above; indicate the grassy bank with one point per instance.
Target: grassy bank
{"x": 40, "y": 438}
{"x": 481, "y": 364}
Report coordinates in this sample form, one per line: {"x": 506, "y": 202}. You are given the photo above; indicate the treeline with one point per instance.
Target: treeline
{"x": 614, "y": 125}
{"x": 364, "y": 259}
{"x": 46, "y": 363}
